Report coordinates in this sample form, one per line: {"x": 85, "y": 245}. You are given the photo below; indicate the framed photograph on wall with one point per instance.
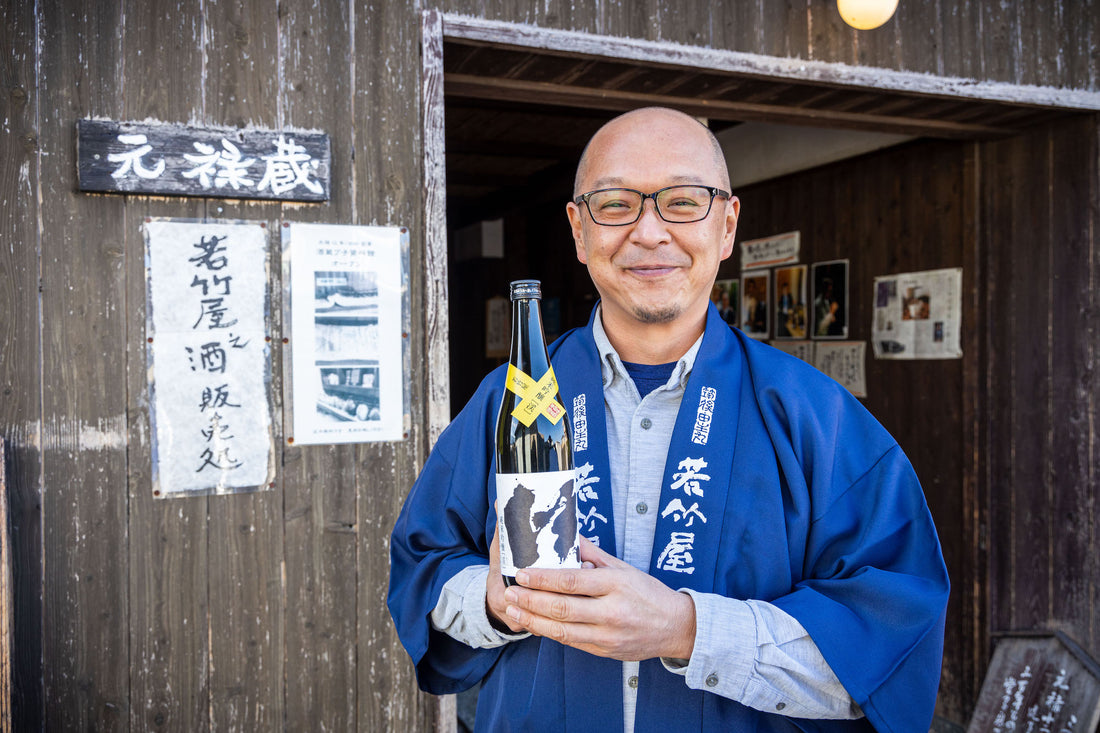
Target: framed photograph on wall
{"x": 754, "y": 305}
{"x": 724, "y": 295}
{"x": 790, "y": 302}
{"x": 830, "y": 300}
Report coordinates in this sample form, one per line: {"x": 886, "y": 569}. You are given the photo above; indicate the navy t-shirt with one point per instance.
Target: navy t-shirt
{"x": 648, "y": 377}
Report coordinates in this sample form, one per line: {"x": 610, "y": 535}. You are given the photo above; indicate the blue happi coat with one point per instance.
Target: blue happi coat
{"x": 810, "y": 505}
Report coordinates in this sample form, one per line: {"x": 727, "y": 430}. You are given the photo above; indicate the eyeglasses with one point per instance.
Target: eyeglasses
{"x": 616, "y": 207}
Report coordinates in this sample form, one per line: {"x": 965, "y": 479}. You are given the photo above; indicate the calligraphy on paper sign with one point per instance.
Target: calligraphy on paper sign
{"x": 209, "y": 358}
{"x": 178, "y": 160}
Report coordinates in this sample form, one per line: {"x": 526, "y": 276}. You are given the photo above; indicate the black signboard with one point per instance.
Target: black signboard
{"x": 179, "y": 160}
{"x": 1040, "y": 683}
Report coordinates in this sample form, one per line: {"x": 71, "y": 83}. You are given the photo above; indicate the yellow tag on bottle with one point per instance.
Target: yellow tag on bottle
{"x": 536, "y": 398}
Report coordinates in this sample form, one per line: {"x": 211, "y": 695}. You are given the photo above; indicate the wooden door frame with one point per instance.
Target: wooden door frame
{"x": 438, "y": 26}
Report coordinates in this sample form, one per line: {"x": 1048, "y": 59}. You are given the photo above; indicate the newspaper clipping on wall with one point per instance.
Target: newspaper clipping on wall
{"x": 918, "y": 315}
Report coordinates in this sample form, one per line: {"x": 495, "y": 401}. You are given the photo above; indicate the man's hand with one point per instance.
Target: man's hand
{"x": 495, "y": 605}
{"x": 607, "y": 608}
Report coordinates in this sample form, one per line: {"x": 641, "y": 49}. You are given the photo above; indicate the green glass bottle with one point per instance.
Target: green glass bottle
{"x": 536, "y": 503}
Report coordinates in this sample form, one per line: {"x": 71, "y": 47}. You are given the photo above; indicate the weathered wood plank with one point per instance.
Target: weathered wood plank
{"x": 831, "y": 39}
{"x": 84, "y": 423}
{"x": 972, "y": 651}
{"x": 6, "y": 600}
{"x": 1031, "y": 388}
{"x": 998, "y": 42}
{"x": 85, "y": 649}
{"x": 762, "y": 65}
{"x": 434, "y": 266}
{"x": 389, "y": 192}
{"x": 792, "y": 25}
{"x": 20, "y": 354}
{"x": 997, "y": 248}
{"x": 515, "y": 90}
{"x": 245, "y": 547}
{"x": 320, "y": 521}
{"x": 158, "y": 158}
{"x": 1041, "y": 678}
{"x": 168, "y": 586}
{"x": 1017, "y": 193}
{"x": 1073, "y": 399}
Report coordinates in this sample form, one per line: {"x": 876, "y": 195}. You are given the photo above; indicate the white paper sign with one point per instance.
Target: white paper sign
{"x": 844, "y": 362}
{"x": 804, "y": 350}
{"x": 781, "y": 249}
{"x": 346, "y": 297}
{"x": 210, "y": 362}
{"x": 918, "y": 315}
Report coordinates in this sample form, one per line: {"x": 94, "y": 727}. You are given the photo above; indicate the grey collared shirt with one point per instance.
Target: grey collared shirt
{"x": 749, "y": 651}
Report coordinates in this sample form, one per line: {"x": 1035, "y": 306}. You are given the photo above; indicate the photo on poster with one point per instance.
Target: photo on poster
{"x": 830, "y": 300}
{"x": 345, "y": 322}
{"x": 347, "y": 309}
{"x": 724, "y": 296}
{"x": 790, "y": 302}
{"x": 754, "y": 305}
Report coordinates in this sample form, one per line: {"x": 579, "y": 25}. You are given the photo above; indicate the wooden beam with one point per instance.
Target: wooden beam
{"x": 516, "y": 91}
{"x": 576, "y": 44}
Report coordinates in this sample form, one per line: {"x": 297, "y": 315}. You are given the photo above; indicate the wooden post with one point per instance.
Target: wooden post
{"x": 5, "y": 602}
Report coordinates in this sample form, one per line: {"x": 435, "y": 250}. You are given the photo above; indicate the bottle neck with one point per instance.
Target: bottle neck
{"x": 528, "y": 342}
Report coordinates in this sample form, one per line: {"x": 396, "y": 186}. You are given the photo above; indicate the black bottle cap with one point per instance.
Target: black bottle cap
{"x": 526, "y": 289}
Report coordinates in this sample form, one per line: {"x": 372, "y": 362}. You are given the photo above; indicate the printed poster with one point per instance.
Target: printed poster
{"x": 804, "y": 350}
{"x": 209, "y": 358}
{"x": 844, "y": 361}
{"x": 347, "y": 305}
{"x": 918, "y": 315}
{"x": 782, "y": 249}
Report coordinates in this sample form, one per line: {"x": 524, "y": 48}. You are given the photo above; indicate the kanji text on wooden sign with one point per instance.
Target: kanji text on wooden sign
{"x": 178, "y": 160}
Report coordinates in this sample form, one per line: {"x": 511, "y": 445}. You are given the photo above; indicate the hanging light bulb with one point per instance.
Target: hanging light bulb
{"x": 866, "y": 14}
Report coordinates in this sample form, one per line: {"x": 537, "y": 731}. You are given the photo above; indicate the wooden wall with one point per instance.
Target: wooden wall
{"x": 1039, "y": 448}
{"x": 249, "y": 612}
{"x": 902, "y": 210}
{"x": 265, "y": 611}
{"x": 1045, "y": 42}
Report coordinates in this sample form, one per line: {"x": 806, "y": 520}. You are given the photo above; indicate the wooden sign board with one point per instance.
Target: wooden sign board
{"x": 1039, "y": 684}
{"x": 179, "y": 160}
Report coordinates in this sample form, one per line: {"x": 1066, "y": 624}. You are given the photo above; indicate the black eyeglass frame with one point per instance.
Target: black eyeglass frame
{"x": 583, "y": 198}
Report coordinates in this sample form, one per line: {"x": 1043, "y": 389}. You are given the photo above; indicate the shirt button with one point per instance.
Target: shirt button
{"x": 780, "y": 705}
{"x": 712, "y": 680}
{"x": 646, "y": 423}
{"x": 641, "y": 507}
{"x": 633, "y": 682}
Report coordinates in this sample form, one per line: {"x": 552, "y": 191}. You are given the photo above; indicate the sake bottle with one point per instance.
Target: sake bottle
{"x": 536, "y": 506}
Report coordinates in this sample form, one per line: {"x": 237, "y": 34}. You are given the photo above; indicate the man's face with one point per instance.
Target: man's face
{"x": 653, "y": 271}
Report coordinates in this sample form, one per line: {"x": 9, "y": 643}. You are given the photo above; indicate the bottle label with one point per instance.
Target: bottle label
{"x": 537, "y": 517}
{"x": 536, "y": 398}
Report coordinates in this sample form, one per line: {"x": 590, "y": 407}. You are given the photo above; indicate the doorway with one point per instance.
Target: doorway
{"x": 517, "y": 109}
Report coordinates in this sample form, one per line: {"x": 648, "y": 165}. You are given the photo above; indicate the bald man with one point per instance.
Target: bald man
{"x": 758, "y": 554}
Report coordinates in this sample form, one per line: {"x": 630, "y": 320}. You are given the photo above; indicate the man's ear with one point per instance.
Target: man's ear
{"x": 733, "y": 211}
{"x": 576, "y": 225}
